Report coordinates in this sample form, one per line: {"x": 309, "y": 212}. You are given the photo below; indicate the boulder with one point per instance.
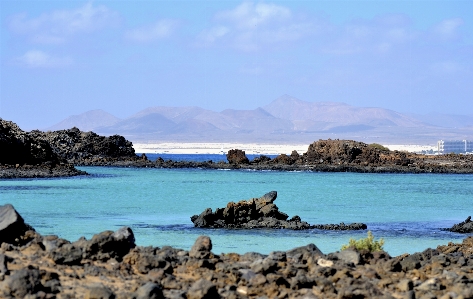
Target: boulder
{"x": 23, "y": 282}
{"x": 201, "y": 248}
{"x": 12, "y": 225}
{"x": 236, "y": 156}
{"x": 102, "y": 247}
{"x": 149, "y": 290}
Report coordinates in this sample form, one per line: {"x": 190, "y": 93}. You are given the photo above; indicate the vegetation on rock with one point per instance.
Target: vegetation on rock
{"x": 379, "y": 146}
{"x": 368, "y": 243}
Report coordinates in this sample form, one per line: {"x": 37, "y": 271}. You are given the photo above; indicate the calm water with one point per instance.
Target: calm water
{"x": 406, "y": 210}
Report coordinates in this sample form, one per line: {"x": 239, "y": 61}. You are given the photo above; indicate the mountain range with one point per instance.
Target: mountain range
{"x": 284, "y": 120}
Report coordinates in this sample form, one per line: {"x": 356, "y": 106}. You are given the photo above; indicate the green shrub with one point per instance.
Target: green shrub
{"x": 379, "y": 146}
{"x": 367, "y": 243}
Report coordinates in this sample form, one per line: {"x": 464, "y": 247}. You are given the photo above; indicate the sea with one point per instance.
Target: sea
{"x": 408, "y": 211}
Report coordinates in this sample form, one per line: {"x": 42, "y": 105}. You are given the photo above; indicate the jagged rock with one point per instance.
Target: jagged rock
{"x": 236, "y": 156}
{"x": 149, "y": 290}
{"x": 463, "y": 227}
{"x": 103, "y": 246}
{"x": 24, "y": 155}
{"x": 76, "y": 146}
{"x": 18, "y": 147}
{"x": 203, "y": 289}
{"x": 23, "y": 282}
{"x": 303, "y": 272}
{"x": 201, "y": 248}
{"x": 254, "y": 213}
{"x": 259, "y": 213}
{"x": 285, "y": 159}
{"x": 12, "y": 225}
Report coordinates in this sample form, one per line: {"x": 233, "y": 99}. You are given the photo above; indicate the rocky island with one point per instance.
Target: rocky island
{"x": 111, "y": 265}
{"x": 259, "y": 213}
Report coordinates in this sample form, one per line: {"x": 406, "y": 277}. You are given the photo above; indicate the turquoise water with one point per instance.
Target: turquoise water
{"x": 406, "y": 210}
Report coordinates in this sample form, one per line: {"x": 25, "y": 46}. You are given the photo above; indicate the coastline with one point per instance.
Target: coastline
{"x": 204, "y": 148}
{"x": 111, "y": 265}
{"x": 217, "y": 148}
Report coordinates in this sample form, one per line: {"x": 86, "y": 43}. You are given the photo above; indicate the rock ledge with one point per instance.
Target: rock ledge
{"x": 260, "y": 213}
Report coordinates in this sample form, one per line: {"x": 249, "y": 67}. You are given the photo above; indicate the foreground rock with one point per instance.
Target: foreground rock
{"x": 259, "y": 213}
{"x": 26, "y": 156}
{"x": 463, "y": 227}
{"x": 111, "y": 266}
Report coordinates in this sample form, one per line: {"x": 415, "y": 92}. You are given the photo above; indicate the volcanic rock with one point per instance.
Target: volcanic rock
{"x": 236, "y": 156}
{"x": 12, "y": 225}
{"x": 259, "y": 213}
{"x": 463, "y": 227}
{"x": 253, "y": 213}
{"x": 305, "y": 272}
{"x": 76, "y": 146}
{"x": 25, "y": 156}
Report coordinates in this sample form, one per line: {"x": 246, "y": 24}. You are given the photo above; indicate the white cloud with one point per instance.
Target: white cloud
{"x": 212, "y": 34}
{"x": 447, "y": 29}
{"x": 249, "y": 15}
{"x": 40, "y": 59}
{"x": 250, "y": 27}
{"x": 57, "y": 26}
{"x": 381, "y": 35}
{"x": 159, "y": 30}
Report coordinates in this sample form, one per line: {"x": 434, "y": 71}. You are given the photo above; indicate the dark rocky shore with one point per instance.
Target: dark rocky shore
{"x": 260, "y": 213}
{"x": 111, "y": 265}
{"x": 52, "y": 154}
{"x": 23, "y": 155}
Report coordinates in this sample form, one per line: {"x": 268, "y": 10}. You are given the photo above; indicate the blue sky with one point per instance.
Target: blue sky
{"x": 60, "y": 58}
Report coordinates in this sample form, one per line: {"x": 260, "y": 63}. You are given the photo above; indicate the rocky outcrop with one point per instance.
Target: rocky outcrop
{"x": 12, "y": 225}
{"x": 111, "y": 266}
{"x": 259, "y": 213}
{"x": 76, "y": 146}
{"x": 24, "y": 155}
{"x": 236, "y": 156}
{"x": 463, "y": 227}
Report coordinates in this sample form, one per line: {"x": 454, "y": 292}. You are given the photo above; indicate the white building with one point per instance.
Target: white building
{"x": 454, "y": 146}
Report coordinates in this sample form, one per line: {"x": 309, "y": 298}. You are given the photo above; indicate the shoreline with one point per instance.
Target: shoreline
{"x": 213, "y": 148}
{"x": 112, "y": 265}
{"x": 217, "y": 148}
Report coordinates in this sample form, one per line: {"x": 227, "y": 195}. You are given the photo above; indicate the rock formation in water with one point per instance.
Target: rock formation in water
{"x": 463, "y": 227}
{"x": 110, "y": 265}
{"x": 24, "y": 155}
{"x": 236, "y": 156}
{"x": 259, "y": 213}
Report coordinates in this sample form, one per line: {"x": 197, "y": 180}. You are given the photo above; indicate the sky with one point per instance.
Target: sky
{"x": 62, "y": 58}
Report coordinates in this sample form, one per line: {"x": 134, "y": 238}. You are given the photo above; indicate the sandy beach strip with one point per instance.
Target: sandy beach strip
{"x": 218, "y": 148}
{"x": 413, "y": 148}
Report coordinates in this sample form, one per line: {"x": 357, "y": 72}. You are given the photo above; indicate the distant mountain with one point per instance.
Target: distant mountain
{"x": 316, "y": 116}
{"x": 286, "y": 119}
{"x": 86, "y": 121}
{"x": 446, "y": 120}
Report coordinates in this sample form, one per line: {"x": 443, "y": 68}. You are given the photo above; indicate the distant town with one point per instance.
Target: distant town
{"x": 454, "y": 146}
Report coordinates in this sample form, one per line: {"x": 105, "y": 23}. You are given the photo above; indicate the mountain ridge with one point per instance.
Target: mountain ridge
{"x": 285, "y": 119}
